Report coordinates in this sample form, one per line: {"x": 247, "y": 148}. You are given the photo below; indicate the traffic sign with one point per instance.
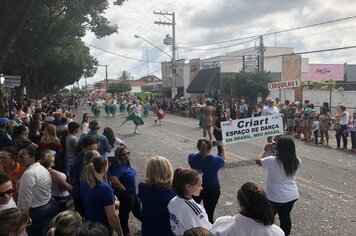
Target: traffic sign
{"x": 12, "y": 81}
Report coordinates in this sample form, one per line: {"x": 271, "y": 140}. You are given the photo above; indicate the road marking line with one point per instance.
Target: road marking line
{"x": 310, "y": 182}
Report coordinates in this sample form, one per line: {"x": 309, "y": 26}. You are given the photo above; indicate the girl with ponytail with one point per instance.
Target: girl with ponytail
{"x": 97, "y": 196}
{"x": 209, "y": 164}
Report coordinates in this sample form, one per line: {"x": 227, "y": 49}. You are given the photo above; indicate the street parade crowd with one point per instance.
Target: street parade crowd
{"x": 49, "y": 157}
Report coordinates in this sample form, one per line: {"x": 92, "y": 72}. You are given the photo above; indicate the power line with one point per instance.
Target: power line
{"x": 233, "y": 59}
{"x": 228, "y": 46}
{"x": 116, "y": 54}
{"x": 309, "y": 26}
{"x": 276, "y": 32}
{"x": 313, "y": 51}
{"x": 147, "y": 61}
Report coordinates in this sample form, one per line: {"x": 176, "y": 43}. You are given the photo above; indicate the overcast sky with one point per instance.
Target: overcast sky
{"x": 200, "y": 22}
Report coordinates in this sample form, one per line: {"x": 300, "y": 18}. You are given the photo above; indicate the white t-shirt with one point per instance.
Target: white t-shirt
{"x": 316, "y": 125}
{"x": 280, "y": 187}
{"x": 344, "y": 120}
{"x": 112, "y": 152}
{"x": 269, "y": 111}
{"x": 137, "y": 109}
{"x": 85, "y": 127}
{"x": 186, "y": 214}
{"x": 243, "y": 226}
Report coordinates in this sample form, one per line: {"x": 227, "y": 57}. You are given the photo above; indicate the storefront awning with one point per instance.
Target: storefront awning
{"x": 203, "y": 79}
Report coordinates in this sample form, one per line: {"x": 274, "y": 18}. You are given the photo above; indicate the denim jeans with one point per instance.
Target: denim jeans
{"x": 41, "y": 217}
{"x": 339, "y": 134}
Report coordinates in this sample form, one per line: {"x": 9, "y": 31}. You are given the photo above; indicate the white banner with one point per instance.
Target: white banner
{"x": 251, "y": 128}
{"x": 284, "y": 84}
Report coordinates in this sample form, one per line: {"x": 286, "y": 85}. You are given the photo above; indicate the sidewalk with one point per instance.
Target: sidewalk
{"x": 332, "y": 141}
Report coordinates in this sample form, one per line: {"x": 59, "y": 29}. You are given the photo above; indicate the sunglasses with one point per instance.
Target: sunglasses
{"x": 125, "y": 153}
{"x": 8, "y": 192}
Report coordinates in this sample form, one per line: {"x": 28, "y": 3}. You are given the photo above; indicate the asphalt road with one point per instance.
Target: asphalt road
{"x": 327, "y": 180}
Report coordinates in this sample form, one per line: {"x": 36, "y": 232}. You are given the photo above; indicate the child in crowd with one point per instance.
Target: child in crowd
{"x": 316, "y": 127}
{"x": 185, "y": 213}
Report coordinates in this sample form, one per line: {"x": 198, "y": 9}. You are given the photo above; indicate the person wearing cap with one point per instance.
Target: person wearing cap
{"x": 104, "y": 146}
{"x": 5, "y": 137}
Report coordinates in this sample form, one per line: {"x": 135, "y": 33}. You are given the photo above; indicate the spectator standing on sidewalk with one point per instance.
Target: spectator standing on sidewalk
{"x": 353, "y": 132}
{"x": 243, "y": 109}
{"x": 344, "y": 116}
{"x": 325, "y": 123}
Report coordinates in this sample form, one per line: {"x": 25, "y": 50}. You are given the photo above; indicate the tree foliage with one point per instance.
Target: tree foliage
{"x": 120, "y": 87}
{"x": 48, "y": 52}
{"x": 124, "y": 76}
{"x": 249, "y": 85}
{"x": 319, "y": 84}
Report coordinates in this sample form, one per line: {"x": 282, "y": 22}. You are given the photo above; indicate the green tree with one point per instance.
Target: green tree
{"x": 125, "y": 76}
{"x": 120, "y": 87}
{"x": 53, "y": 28}
{"x": 249, "y": 85}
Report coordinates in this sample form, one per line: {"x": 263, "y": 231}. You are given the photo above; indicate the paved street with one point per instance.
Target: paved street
{"x": 327, "y": 180}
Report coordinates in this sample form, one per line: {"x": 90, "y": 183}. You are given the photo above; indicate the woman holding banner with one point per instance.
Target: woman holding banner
{"x": 219, "y": 117}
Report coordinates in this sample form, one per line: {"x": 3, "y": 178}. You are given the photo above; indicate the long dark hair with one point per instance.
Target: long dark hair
{"x": 109, "y": 134}
{"x": 286, "y": 155}
{"x": 254, "y": 204}
{"x": 83, "y": 120}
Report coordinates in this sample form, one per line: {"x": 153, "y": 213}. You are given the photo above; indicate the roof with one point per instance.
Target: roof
{"x": 203, "y": 79}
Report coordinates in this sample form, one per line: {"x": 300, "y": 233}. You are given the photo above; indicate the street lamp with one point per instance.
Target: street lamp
{"x": 140, "y": 37}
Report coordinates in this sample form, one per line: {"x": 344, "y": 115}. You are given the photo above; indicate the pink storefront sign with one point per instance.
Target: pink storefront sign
{"x": 325, "y": 72}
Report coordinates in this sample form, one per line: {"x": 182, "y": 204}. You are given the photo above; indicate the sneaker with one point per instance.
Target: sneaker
{"x": 336, "y": 147}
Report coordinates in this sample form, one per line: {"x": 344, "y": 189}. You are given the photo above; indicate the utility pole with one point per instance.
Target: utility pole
{"x": 106, "y": 77}
{"x": 148, "y": 62}
{"x": 261, "y": 56}
{"x": 171, "y": 22}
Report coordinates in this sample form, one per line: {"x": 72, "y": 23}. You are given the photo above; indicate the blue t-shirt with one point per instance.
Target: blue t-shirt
{"x": 209, "y": 165}
{"x": 104, "y": 142}
{"x": 125, "y": 173}
{"x": 155, "y": 220}
{"x": 95, "y": 199}
{"x": 76, "y": 172}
